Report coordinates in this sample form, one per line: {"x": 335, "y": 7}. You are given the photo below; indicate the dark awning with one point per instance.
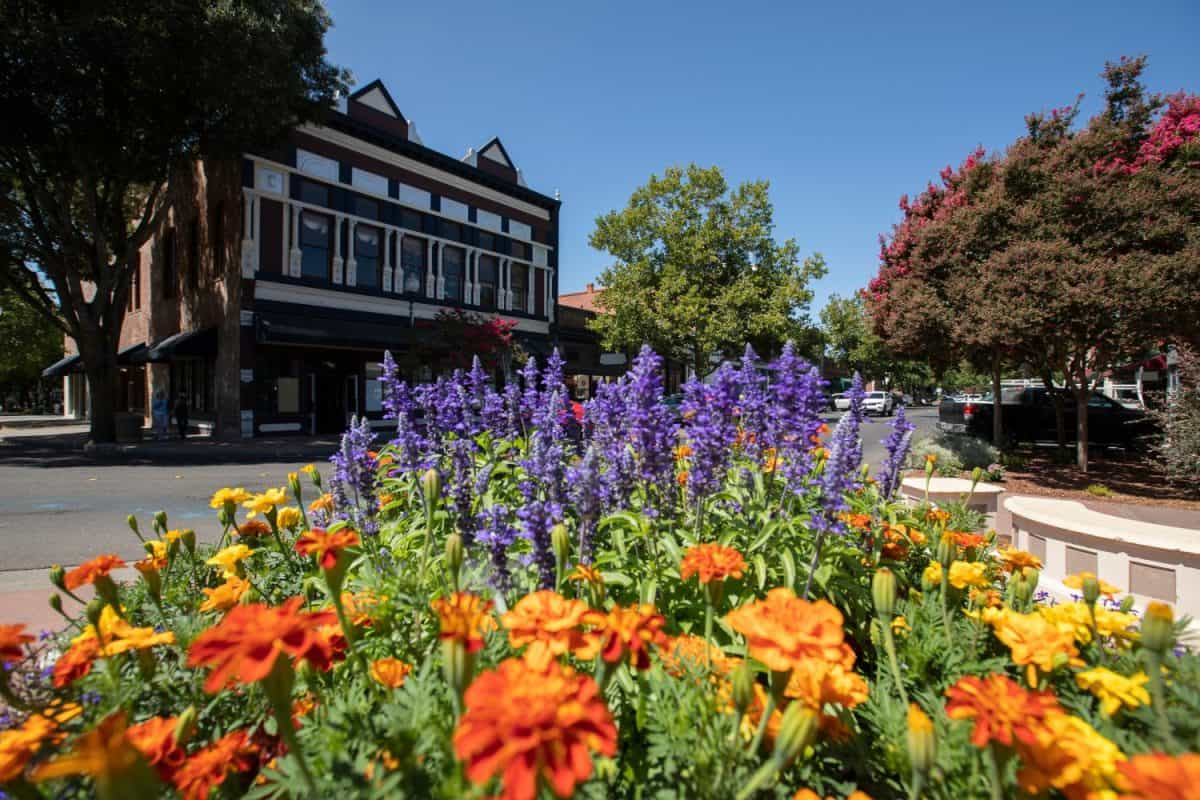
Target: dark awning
{"x": 186, "y": 343}
{"x": 276, "y": 327}
{"x": 133, "y": 355}
{"x": 539, "y": 347}
{"x": 62, "y": 366}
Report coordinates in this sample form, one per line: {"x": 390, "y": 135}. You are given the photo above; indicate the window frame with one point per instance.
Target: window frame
{"x": 486, "y": 286}
{"x": 460, "y": 274}
{"x": 520, "y": 300}
{"x": 305, "y": 247}
{"x": 376, "y": 260}
{"x": 420, "y": 267}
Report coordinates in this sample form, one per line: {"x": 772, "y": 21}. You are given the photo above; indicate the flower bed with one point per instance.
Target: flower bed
{"x": 502, "y": 601}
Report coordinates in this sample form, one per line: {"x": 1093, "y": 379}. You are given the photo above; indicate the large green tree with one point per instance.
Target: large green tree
{"x": 850, "y": 342}
{"x": 697, "y": 271}
{"x": 107, "y": 106}
{"x": 28, "y": 342}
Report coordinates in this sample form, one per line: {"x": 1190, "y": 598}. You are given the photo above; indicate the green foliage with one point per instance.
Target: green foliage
{"x": 697, "y": 272}
{"x": 1179, "y": 450}
{"x": 28, "y": 343}
{"x": 954, "y": 452}
{"x": 1098, "y": 490}
{"x": 852, "y": 344}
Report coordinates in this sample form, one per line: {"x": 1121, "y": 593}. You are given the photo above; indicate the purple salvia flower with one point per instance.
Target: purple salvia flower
{"x": 841, "y": 473}
{"x": 797, "y": 398}
{"x": 896, "y": 445}
{"x": 537, "y": 518}
{"x": 497, "y": 534}
{"x": 460, "y": 484}
{"x": 585, "y": 489}
{"x": 752, "y": 406}
{"x": 354, "y": 481}
{"x": 650, "y": 424}
{"x": 711, "y": 427}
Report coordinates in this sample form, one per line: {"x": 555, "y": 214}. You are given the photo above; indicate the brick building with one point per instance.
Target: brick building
{"x": 274, "y": 287}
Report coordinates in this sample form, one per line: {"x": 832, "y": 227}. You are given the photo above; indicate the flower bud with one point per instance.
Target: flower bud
{"x": 1158, "y": 628}
{"x": 743, "y": 687}
{"x": 883, "y": 593}
{"x": 797, "y": 730}
{"x": 922, "y": 744}
{"x": 188, "y": 537}
{"x": 185, "y": 728}
{"x": 560, "y": 541}
{"x": 294, "y": 485}
{"x": 153, "y": 579}
{"x": 58, "y": 577}
{"x": 875, "y": 632}
{"x": 1127, "y": 603}
{"x": 454, "y": 557}
{"x": 947, "y": 549}
{"x": 225, "y": 517}
{"x": 56, "y": 602}
{"x": 93, "y": 610}
{"x": 1023, "y": 589}
{"x": 431, "y": 487}
{"x": 133, "y": 524}
{"x": 976, "y": 476}
{"x": 1091, "y": 589}
{"x": 1031, "y": 577}
{"x": 160, "y": 522}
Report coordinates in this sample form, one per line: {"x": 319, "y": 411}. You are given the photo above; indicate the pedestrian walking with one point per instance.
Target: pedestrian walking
{"x": 181, "y": 415}
{"x": 160, "y": 414}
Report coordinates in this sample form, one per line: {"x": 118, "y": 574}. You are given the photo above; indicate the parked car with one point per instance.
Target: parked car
{"x": 841, "y": 402}
{"x": 879, "y": 403}
{"x": 1029, "y": 417}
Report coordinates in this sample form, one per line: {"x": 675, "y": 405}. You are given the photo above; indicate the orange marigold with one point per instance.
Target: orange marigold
{"x": 1014, "y": 559}
{"x": 464, "y": 617}
{"x": 1003, "y": 710}
{"x": 624, "y": 631}
{"x": 18, "y": 745}
{"x": 155, "y": 740}
{"x": 937, "y": 515}
{"x": 253, "y": 529}
{"x": 783, "y": 629}
{"x": 532, "y": 727}
{"x": 244, "y": 645}
{"x": 1035, "y": 642}
{"x": 225, "y": 596}
{"x": 711, "y": 562}
{"x": 87, "y": 573}
{"x": 12, "y": 643}
{"x": 77, "y": 660}
{"x": 207, "y": 769}
{"x": 688, "y": 651}
{"x": 968, "y": 540}
{"x": 390, "y": 672}
{"x": 548, "y": 623}
{"x": 322, "y": 503}
{"x": 104, "y": 753}
{"x": 817, "y": 682}
{"x": 584, "y": 573}
{"x": 325, "y": 545}
{"x": 1155, "y": 776}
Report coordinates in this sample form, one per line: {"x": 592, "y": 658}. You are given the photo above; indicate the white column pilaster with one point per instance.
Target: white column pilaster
{"x": 387, "y": 260}
{"x": 441, "y": 274}
{"x": 430, "y": 285}
{"x": 351, "y": 261}
{"x": 337, "y": 249}
{"x": 250, "y": 224}
{"x": 294, "y": 239}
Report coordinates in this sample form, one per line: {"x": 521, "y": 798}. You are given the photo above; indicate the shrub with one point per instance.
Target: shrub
{"x": 1179, "y": 450}
{"x": 1099, "y": 490}
{"x": 953, "y": 452}
{"x": 925, "y": 446}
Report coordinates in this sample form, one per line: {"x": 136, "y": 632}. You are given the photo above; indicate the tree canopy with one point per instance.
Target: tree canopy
{"x": 106, "y": 105}
{"x": 698, "y": 272}
{"x": 851, "y": 343}
{"x": 28, "y": 342}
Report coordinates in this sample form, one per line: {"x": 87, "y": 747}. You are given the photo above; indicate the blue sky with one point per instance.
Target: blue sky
{"x": 841, "y": 106}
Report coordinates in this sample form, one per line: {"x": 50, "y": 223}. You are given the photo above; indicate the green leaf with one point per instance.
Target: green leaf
{"x": 760, "y": 569}
{"x": 789, "y": 569}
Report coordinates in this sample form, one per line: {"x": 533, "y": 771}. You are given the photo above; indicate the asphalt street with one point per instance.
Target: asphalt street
{"x": 65, "y": 514}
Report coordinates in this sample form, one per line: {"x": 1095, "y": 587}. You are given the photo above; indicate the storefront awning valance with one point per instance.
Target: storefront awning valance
{"x": 276, "y": 327}
{"x": 133, "y": 355}
{"x": 61, "y": 367}
{"x": 186, "y": 343}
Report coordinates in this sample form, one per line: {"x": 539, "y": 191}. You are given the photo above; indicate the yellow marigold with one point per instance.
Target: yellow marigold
{"x": 229, "y": 558}
{"x": 464, "y": 617}
{"x": 968, "y": 573}
{"x": 104, "y": 753}
{"x": 115, "y": 635}
{"x": 264, "y": 502}
{"x": 1014, "y": 559}
{"x": 1036, "y": 644}
{"x": 322, "y": 503}
{"x": 226, "y": 596}
{"x": 783, "y": 629}
{"x": 900, "y": 626}
{"x": 288, "y": 517}
{"x": 390, "y": 672}
{"x": 309, "y": 469}
{"x": 1070, "y": 756}
{"x": 584, "y": 573}
{"x": 1076, "y": 582}
{"x": 547, "y": 624}
{"x": 1076, "y": 619}
{"x": 158, "y": 551}
{"x": 711, "y": 562}
{"x": 222, "y": 496}
{"x": 932, "y": 573}
{"x": 1114, "y": 690}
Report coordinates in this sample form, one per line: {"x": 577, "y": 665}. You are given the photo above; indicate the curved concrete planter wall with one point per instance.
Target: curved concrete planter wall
{"x": 985, "y": 500}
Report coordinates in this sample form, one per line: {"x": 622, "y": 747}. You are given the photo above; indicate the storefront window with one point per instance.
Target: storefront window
{"x": 519, "y": 274}
{"x": 373, "y": 398}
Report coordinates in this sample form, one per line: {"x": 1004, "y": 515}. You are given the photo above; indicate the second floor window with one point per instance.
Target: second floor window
{"x": 519, "y": 277}
{"x": 488, "y": 268}
{"x": 366, "y": 253}
{"x": 412, "y": 264}
{"x": 452, "y": 271}
{"x": 314, "y": 245}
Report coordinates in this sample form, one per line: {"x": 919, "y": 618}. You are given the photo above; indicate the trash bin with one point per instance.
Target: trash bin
{"x": 129, "y": 427}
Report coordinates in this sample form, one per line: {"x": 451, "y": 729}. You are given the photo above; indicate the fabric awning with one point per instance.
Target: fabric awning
{"x": 61, "y": 367}
{"x": 185, "y": 343}
{"x": 133, "y": 355}
{"x": 276, "y": 327}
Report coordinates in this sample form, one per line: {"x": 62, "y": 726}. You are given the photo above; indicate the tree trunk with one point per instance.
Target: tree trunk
{"x": 1081, "y": 426}
{"x": 997, "y": 405}
{"x": 99, "y": 355}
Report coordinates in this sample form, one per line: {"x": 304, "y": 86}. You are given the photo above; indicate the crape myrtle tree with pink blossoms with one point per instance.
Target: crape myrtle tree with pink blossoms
{"x": 1070, "y": 252}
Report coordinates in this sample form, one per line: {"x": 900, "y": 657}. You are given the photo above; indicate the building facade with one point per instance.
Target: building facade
{"x": 276, "y": 285}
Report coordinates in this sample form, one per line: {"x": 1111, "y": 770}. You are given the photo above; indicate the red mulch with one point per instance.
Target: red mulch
{"x": 1133, "y": 479}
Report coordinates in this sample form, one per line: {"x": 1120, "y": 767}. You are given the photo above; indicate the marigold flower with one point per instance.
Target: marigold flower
{"x": 360, "y": 607}
{"x": 1114, "y": 690}
{"x": 263, "y": 503}
{"x": 159, "y": 550}
{"x": 533, "y": 727}
{"x": 968, "y": 541}
{"x": 683, "y": 451}
{"x": 783, "y": 629}
{"x": 1155, "y": 776}
{"x": 1076, "y": 582}
{"x": 583, "y": 573}
{"x": 390, "y": 672}
{"x": 104, "y": 753}
{"x": 244, "y": 646}
{"x": 1003, "y": 711}
{"x": 325, "y": 546}
{"x": 968, "y": 573}
{"x": 253, "y": 529}
{"x": 288, "y": 517}
{"x": 322, "y": 503}
{"x": 1035, "y": 643}
{"x": 900, "y": 626}
{"x": 817, "y": 683}
{"x": 77, "y": 660}
{"x": 155, "y": 740}
{"x": 932, "y": 574}
{"x": 860, "y": 521}
{"x": 711, "y": 562}
{"x": 309, "y": 469}
{"x": 937, "y": 515}
{"x": 548, "y": 623}
{"x": 12, "y": 643}
{"x": 226, "y": 596}
{"x": 222, "y": 496}
{"x": 771, "y": 460}
{"x": 1069, "y": 755}
{"x": 115, "y": 635}
{"x": 686, "y": 650}
{"x": 228, "y": 559}
{"x": 18, "y": 745}
{"x": 681, "y": 477}
{"x": 207, "y": 769}
{"x": 464, "y": 617}
{"x": 88, "y": 572}
{"x": 622, "y": 631}
{"x": 1015, "y": 560}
